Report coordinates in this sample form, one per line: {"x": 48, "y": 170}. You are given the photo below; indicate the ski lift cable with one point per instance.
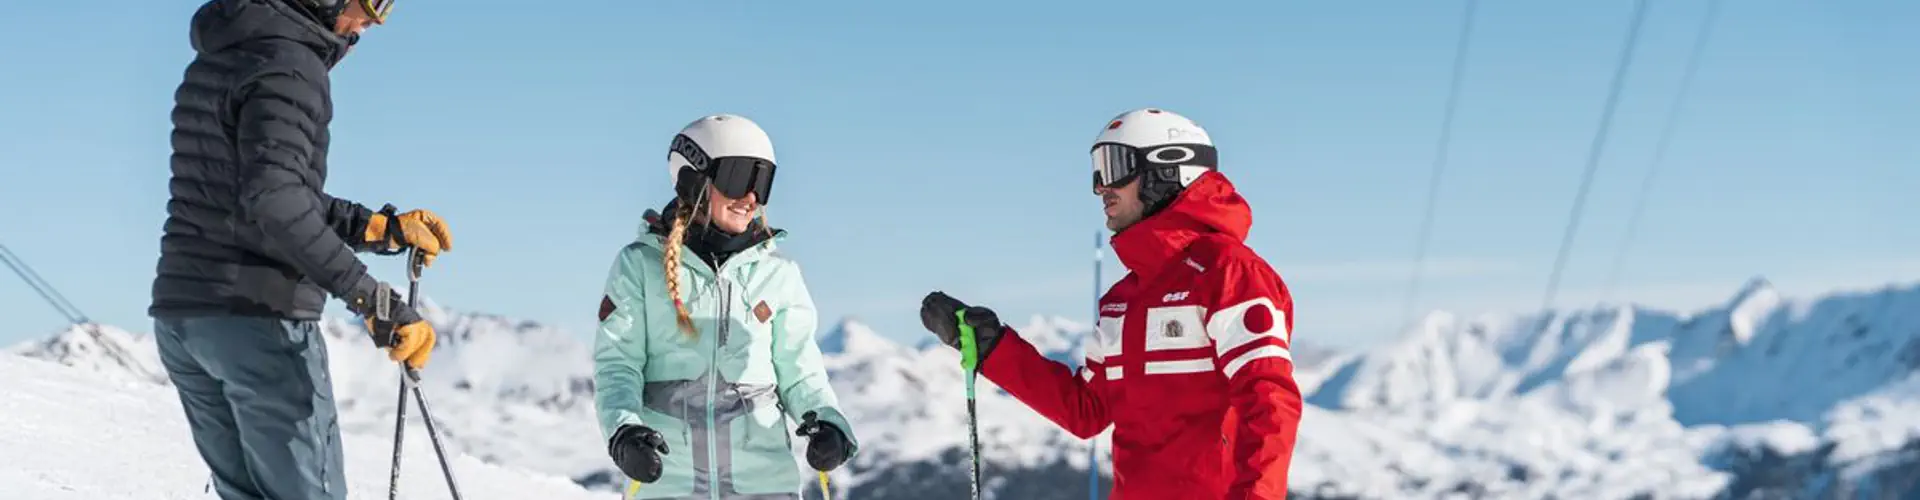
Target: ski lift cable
{"x": 1594, "y": 152}
{"x": 74, "y": 315}
{"x": 1441, "y": 147}
{"x": 1660, "y": 149}
{"x": 67, "y": 306}
{"x": 41, "y": 286}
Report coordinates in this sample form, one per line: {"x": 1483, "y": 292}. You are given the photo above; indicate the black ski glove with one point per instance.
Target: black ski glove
{"x": 937, "y": 313}
{"x": 637, "y": 449}
{"x": 827, "y": 445}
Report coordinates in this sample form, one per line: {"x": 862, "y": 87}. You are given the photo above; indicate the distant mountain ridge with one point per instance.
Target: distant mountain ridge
{"x": 1761, "y": 397}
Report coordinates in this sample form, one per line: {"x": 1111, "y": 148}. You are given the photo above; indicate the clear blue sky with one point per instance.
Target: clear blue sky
{"x": 943, "y": 144}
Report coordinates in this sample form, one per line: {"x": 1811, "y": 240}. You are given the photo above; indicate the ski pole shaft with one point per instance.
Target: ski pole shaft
{"x": 970, "y": 362}
{"x": 825, "y": 493}
{"x": 399, "y": 433}
{"x": 973, "y": 442}
{"x": 1093, "y": 444}
{"x": 433, "y": 434}
{"x": 400, "y": 406}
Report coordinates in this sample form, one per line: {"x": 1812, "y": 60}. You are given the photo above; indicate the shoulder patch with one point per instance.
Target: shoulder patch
{"x": 1258, "y": 320}
{"x": 762, "y": 312}
{"x": 606, "y": 307}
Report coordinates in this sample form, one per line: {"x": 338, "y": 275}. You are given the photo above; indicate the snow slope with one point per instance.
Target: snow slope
{"x": 1798, "y": 398}
{"x": 504, "y": 391}
{"x": 66, "y": 433}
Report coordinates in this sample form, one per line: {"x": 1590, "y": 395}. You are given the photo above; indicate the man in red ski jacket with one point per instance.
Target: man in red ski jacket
{"x": 1190, "y": 361}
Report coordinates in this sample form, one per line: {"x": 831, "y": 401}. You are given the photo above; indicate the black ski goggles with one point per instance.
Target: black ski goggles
{"x": 733, "y": 176}
{"x": 1115, "y": 165}
{"x": 377, "y": 9}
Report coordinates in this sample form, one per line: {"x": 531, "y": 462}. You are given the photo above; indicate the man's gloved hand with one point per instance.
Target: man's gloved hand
{"x": 938, "y": 314}
{"x": 827, "y": 445}
{"x": 406, "y": 335}
{"x": 415, "y": 343}
{"x": 419, "y": 229}
{"x": 636, "y": 449}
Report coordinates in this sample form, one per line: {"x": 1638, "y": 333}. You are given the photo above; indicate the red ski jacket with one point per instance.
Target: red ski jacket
{"x": 1190, "y": 364}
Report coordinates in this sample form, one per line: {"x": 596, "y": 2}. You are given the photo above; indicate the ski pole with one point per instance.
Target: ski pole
{"x": 825, "y": 493}
{"x": 385, "y": 315}
{"x": 415, "y": 261}
{"x": 1093, "y": 444}
{"x": 410, "y": 380}
{"x": 970, "y": 361}
{"x": 399, "y": 432}
{"x": 433, "y": 434}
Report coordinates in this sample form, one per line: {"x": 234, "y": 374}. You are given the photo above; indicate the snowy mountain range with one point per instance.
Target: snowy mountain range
{"x": 1761, "y": 397}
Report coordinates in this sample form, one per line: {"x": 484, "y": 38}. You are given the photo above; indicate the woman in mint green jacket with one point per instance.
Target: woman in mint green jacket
{"x": 706, "y": 340}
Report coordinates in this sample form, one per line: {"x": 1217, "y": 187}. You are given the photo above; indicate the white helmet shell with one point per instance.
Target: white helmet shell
{"x": 1147, "y": 128}
{"x": 719, "y": 136}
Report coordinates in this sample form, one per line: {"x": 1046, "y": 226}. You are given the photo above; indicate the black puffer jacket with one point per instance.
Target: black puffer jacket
{"x": 250, "y": 229}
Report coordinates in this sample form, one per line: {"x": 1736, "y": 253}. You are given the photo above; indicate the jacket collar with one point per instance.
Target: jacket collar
{"x": 757, "y": 243}
{"x": 1210, "y": 205}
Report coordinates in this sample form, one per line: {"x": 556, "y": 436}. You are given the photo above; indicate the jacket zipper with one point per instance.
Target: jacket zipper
{"x": 780, "y": 403}
{"x": 713, "y": 381}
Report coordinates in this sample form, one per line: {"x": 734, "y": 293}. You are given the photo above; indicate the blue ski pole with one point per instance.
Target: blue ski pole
{"x": 1093, "y": 444}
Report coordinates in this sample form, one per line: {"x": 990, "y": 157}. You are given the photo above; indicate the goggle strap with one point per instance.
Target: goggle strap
{"x": 1116, "y": 163}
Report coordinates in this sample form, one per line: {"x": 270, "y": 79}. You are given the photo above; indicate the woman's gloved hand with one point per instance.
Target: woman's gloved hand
{"x": 636, "y": 449}
{"x": 827, "y": 445}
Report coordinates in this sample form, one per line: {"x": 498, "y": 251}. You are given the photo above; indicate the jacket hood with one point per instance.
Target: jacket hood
{"x": 223, "y": 24}
{"x": 1210, "y": 205}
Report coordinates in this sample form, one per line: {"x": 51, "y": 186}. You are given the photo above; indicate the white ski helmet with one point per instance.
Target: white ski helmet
{"x": 1165, "y": 150}
{"x": 729, "y": 151}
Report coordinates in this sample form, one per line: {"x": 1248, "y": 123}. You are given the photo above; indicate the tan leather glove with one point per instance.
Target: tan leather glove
{"x": 415, "y": 344}
{"x": 420, "y": 229}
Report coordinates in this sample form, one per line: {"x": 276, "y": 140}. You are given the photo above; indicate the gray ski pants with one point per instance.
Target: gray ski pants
{"x": 259, "y": 401}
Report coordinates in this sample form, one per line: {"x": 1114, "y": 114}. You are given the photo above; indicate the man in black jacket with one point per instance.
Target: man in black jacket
{"x": 253, "y": 246}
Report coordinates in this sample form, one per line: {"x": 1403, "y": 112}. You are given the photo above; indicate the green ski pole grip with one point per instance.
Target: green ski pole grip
{"x": 969, "y": 345}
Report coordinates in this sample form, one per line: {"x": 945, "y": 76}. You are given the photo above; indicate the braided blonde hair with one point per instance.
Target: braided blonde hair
{"x": 676, "y": 238}
{"x": 671, "y": 259}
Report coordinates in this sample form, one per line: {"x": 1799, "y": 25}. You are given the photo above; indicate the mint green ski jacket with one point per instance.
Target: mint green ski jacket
{"x": 722, "y": 400}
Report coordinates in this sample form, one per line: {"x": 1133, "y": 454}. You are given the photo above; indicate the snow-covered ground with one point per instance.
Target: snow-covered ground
{"x": 69, "y": 434}
{"x": 1799, "y": 398}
